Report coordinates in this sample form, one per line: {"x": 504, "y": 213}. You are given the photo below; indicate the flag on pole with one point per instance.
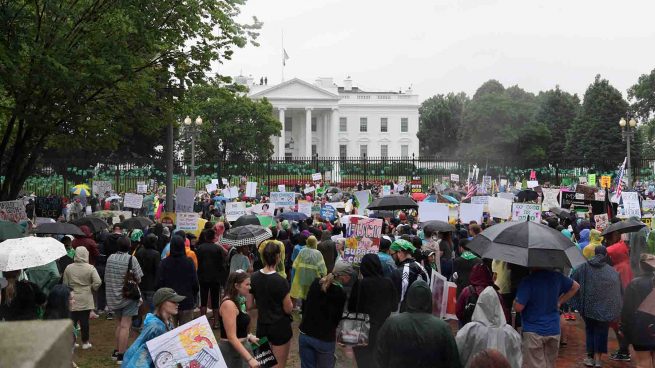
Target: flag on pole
{"x": 619, "y": 182}
{"x": 285, "y": 57}
{"x": 471, "y": 190}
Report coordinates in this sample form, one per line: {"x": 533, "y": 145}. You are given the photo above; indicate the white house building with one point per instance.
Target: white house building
{"x": 340, "y": 121}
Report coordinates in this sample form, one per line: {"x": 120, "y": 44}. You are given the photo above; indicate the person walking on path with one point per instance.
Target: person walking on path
{"x": 538, "y": 299}
{"x": 599, "y": 302}
{"x": 637, "y": 325}
{"x": 211, "y": 270}
{"x": 178, "y": 273}
{"x": 84, "y": 280}
{"x": 416, "y": 338}
{"x": 123, "y": 308}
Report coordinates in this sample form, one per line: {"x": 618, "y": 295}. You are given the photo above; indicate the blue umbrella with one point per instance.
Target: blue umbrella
{"x": 450, "y": 198}
{"x": 219, "y": 198}
{"x": 432, "y": 198}
{"x": 293, "y": 216}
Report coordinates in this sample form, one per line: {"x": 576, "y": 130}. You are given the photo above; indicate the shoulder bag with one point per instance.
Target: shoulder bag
{"x": 130, "y": 285}
{"x": 354, "y": 328}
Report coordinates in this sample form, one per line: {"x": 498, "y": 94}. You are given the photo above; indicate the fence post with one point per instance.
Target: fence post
{"x": 118, "y": 179}
{"x": 268, "y": 172}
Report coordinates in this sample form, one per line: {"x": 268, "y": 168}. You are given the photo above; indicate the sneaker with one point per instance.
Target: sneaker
{"x": 598, "y": 364}
{"x": 93, "y": 315}
{"x": 77, "y": 345}
{"x": 119, "y": 359}
{"x": 621, "y": 357}
{"x": 589, "y": 362}
{"x": 86, "y": 346}
{"x": 110, "y": 316}
{"x": 114, "y": 355}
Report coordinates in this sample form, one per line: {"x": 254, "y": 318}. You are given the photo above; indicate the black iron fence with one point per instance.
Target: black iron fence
{"x": 343, "y": 172}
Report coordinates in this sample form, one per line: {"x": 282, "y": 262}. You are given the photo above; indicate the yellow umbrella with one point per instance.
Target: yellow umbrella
{"x": 80, "y": 189}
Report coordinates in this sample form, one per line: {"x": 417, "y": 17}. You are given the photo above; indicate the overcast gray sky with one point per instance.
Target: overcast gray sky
{"x": 439, "y": 46}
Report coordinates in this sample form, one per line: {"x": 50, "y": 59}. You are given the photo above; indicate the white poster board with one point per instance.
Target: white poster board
{"x": 483, "y": 200}
{"x": 281, "y": 188}
{"x": 526, "y": 211}
{"x": 251, "y": 189}
{"x": 13, "y": 211}
{"x": 184, "y": 199}
{"x": 363, "y": 197}
{"x": 532, "y": 184}
{"x": 210, "y": 187}
{"x": 386, "y": 190}
{"x": 631, "y": 204}
{"x": 141, "y": 187}
{"x": 428, "y": 211}
{"x": 470, "y": 212}
{"x": 550, "y": 198}
{"x": 234, "y": 210}
{"x": 187, "y": 221}
{"x": 316, "y": 176}
{"x": 454, "y": 177}
{"x": 308, "y": 190}
{"x": 101, "y": 187}
{"x": 133, "y": 200}
{"x": 500, "y": 207}
{"x": 305, "y": 207}
{"x": 506, "y": 195}
{"x": 283, "y": 199}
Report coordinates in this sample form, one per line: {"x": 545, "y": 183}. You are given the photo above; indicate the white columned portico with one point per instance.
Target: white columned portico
{"x": 281, "y": 142}
{"x": 325, "y": 135}
{"x": 334, "y": 133}
{"x": 308, "y": 131}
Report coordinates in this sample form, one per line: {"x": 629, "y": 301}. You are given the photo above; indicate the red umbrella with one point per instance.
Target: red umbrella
{"x": 419, "y": 196}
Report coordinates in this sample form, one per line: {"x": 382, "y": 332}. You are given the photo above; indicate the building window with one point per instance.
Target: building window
{"x": 313, "y": 124}
{"x": 314, "y": 150}
{"x": 363, "y": 125}
{"x": 288, "y": 156}
{"x": 343, "y": 151}
{"x": 384, "y": 125}
{"x": 404, "y": 150}
{"x": 404, "y": 125}
{"x": 287, "y": 124}
{"x": 343, "y": 124}
{"x": 363, "y": 150}
{"x": 384, "y": 150}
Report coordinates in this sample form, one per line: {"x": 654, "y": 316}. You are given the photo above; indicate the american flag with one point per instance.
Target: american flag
{"x": 619, "y": 182}
{"x": 471, "y": 191}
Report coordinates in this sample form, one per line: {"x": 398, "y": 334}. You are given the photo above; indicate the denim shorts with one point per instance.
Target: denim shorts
{"x": 129, "y": 310}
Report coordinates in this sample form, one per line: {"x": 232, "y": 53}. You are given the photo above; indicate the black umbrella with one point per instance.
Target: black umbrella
{"x": 436, "y": 226}
{"x": 293, "y": 216}
{"x": 527, "y": 244}
{"x": 622, "y": 227}
{"x": 527, "y": 195}
{"x": 392, "y": 203}
{"x": 247, "y": 220}
{"x": 560, "y": 212}
{"x": 382, "y": 214}
{"x": 138, "y": 222}
{"x": 58, "y": 228}
{"x": 94, "y": 223}
{"x": 246, "y": 235}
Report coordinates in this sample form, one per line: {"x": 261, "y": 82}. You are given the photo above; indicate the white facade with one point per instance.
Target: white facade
{"x": 336, "y": 121}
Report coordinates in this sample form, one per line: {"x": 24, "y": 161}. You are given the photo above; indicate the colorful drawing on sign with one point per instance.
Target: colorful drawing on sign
{"x": 601, "y": 222}
{"x": 190, "y": 345}
{"x": 328, "y": 213}
{"x": 101, "y": 187}
{"x": 283, "y": 199}
{"x": 13, "y": 211}
{"x": 362, "y": 237}
{"x": 526, "y": 211}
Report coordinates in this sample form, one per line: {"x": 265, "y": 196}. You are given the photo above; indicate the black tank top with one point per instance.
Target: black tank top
{"x": 243, "y": 320}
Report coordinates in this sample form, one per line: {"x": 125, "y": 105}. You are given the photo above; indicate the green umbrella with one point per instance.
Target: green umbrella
{"x": 266, "y": 221}
{"x": 10, "y": 230}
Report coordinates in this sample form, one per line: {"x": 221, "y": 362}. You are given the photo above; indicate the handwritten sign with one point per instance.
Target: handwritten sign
{"x": 631, "y": 204}
{"x": 550, "y": 198}
{"x": 317, "y": 176}
{"x": 234, "y": 210}
{"x": 133, "y": 200}
{"x": 500, "y": 207}
{"x": 470, "y": 212}
{"x": 283, "y": 199}
{"x": 591, "y": 179}
{"x": 605, "y": 181}
{"x": 251, "y": 189}
{"x": 428, "y": 211}
{"x": 48, "y": 207}
{"x": 305, "y": 207}
{"x": 417, "y": 184}
{"x": 184, "y": 199}
{"x": 187, "y": 221}
{"x": 362, "y": 237}
{"x": 454, "y": 177}
{"x": 308, "y": 190}
{"x": 13, "y": 211}
{"x": 328, "y": 213}
{"x": 526, "y": 211}
{"x": 101, "y": 187}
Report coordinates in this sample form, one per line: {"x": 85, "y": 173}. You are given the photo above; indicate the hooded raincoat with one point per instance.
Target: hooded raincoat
{"x": 595, "y": 239}
{"x": 481, "y": 277}
{"x": 308, "y": 266}
{"x": 619, "y": 253}
{"x": 138, "y": 356}
{"x": 584, "y": 238}
{"x": 87, "y": 242}
{"x": 83, "y": 279}
{"x": 416, "y": 338}
{"x": 489, "y": 330}
{"x": 599, "y": 297}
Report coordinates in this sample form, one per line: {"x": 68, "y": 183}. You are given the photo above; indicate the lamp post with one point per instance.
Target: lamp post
{"x": 628, "y": 134}
{"x": 189, "y": 123}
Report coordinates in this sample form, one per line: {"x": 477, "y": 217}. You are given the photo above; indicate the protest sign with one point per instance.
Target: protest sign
{"x": 500, "y": 208}
{"x": 402, "y": 179}
{"x": 605, "y": 181}
{"x": 601, "y": 221}
{"x": 305, "y": 207}
{"x": 582, "y": 180}
{"x": 363, "y": 197}
{"x": 648, "y": 205}
{"x": 503, "y": 182}
{"x": 283, "y": 199}
{"x": 225, "y": 181}
{"x": 483, "y": 200}
{"x": 631, "y": 204}
{"x": 263, "y": 353}
{"x": 550, "y": 198}
{"x": 263, "y": 209}
{"x": 316, "y": 209}
{"x": 428, "y": 211}
{"x": 234, "y": 210}
{"x": 591, "y": 180}
{"x": 251, "y": 189}
{"x": 587, "y": 191}
{"x": 281, "y": 188}
{"x": 210, "y": 187}
{"x": 417, "y": 184}
{"x": 101, "y": 187}
{"x": 184, "y": 199}
{"x": 141, "y": 187}
{"x": 470, "y": 212}
{"x": 133, "y": 200}
{"x": 328, "y": 213}
{"x": 316, "y": 176}
{"x": 13, "y": 211}
{"x": 599, "y": 196}
{"x": 506, "y": 195}
{"x": 454, "y": 177}
{"x": 167, "y": 218}
{"x": 48, "y": 206}
{"x": 386, "y": 190}
{"x": 444, "y": 296}
{"x": 191, "y": 345}
{"x": 362, "y": 237}
{"x": 526, "y": 211}
{"x": 214, "y": 181}
{"x": 308, "y": 190}
{"x": 486, "y": 183}
{"x": 532, "y": 184}
{"x": 187, "y": 221}
{"x": 328, "y": 176}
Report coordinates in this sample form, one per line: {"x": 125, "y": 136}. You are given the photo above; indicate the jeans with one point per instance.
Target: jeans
{"x": 315, "y": 353}
{"x": 596, "y": 333}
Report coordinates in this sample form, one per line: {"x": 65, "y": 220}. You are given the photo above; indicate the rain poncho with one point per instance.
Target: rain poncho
{"x": 137, "y": 356}
{"x": 595, "y": 239}
{"x": 488, "y": 329}
{"x": 637, "y": 247}
{"x": 307, "y": 266}
{"x": 584, "y": 238}
{"x": 619, "y": 253}
{"x": 599, "y": 297}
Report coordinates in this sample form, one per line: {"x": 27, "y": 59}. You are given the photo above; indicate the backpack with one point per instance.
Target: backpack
{"x": 469, "y": 305}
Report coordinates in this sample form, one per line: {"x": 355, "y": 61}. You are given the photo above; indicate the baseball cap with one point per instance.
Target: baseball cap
{"x": 165, "y": 294}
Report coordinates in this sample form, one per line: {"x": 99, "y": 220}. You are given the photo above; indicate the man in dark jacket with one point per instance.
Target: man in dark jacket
{"x": 111, "y": 242}
{"x": 408, "y": 269}
{"x": 211, "y": 270}
{"x": 416, "y": 338}
{"x": 149, "y": 259}
{"x": 179, "y": 273}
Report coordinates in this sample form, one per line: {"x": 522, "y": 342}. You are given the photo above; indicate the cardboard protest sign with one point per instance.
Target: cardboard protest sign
{"x": 483, "y": 200}
{"x": 13, "y": 211}
{"x": 631, "y": 204}
{"x": 500, "y": 208}
{"x": 605, "y": 181}
{"x": 133, "y": 200}
{"x": 141, "y": 187}
{"x": 386, "y": 190}
{"x": 470, "y": 212}
{"x": 532, "y": 184}
{"x": 234, "y": 210}
{"x": 283, "y": 199}
{"x": 251, "y": 189}
{"x": 648, "y": 205}
{"x": 308, "y": 190}
{"x": 184, "y": 199}
{"x": 550, "y": 198}
{"x": 187, "y": 221}
{"x": 506, "y": 195}
{"x": 210, "y": 187}
{"x": 428, "y": 211}
{"x": 526, "y": 211}
{"x": 591, "y": 180}
{"x": 328, "y": 213}
{"x": 454, "y": 177}
{"x": 587, "y": 191}
{"x": 191, "y": 345}
{"x": 316, "y": 176}
{"x": 264, "y": 209}
{"x": 601, "y": 221}
{"x": 363, "y": 197}
{"x": 362, "y": 237}
{"x": 281, "y": 188}
{"x": 101, "y": 187}
{"x": 305, "y": 207}
{"x": 48, "y": 206}
{"x": 417, "y": 184}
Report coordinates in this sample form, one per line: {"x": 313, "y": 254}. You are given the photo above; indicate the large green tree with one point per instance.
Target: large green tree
{"x": 89, "y": 73}
{"x": 440, "y": 119}
{"x": 557, "y": 110}
{"x": 642, "y": 96}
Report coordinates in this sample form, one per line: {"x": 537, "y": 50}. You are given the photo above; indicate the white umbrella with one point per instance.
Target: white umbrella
{"x": 21, "y": 253}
